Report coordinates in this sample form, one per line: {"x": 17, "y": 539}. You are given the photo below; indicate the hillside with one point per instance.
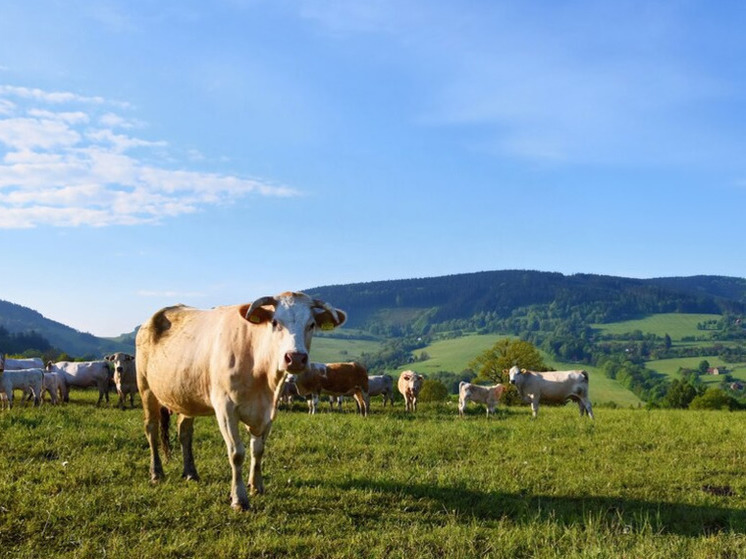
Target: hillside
{"x": 16, "y": 318}
{"x": 481, "y": 302}
{"x": 416, "y": 304}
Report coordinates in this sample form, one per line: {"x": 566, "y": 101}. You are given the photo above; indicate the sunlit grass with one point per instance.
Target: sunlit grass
{"x": 634, "y": 483}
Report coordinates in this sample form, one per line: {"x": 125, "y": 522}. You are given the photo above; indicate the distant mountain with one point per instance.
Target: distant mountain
{"x": 396, "y": 307}
{"x": 16, "y": 318}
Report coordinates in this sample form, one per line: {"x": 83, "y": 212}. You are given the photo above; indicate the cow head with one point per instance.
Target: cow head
{"x": 515, "y": 373}
{"x": 293, "y": 318}
{"x": 118, "y": 363}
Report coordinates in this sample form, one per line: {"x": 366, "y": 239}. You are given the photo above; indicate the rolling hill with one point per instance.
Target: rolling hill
{"x": 386, "y": 309}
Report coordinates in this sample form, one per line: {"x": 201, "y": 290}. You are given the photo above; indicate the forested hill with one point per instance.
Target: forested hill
{"x": 500, "y": 293}
{"x": 22, "y": 328}
{"x": 483, "y": 300}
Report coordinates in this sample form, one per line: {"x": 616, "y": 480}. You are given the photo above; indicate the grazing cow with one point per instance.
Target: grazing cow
{"x": 125, "y": 377}
{"x": 381, "y": 385}
{"x": 228, "y": 361}
{"x": 335, "y": 379}
{"x": 554, "y": 387}
{"x": 83, "y": 374}
{"x": 288, "y": 393}
{"x": 410, "y": 384}
{"x": 487, "y": 395}
{"x": 21, "y": 379}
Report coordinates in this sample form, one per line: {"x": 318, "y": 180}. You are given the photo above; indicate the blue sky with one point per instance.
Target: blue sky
{"x": 211, "y": 152}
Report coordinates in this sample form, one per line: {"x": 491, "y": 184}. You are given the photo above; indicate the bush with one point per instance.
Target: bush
{"x": 712, "y": 399}
{"x": 433, "y": 391}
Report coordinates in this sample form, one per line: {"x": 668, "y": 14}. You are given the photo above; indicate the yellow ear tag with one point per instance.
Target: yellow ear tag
{"x": 254, "y": 319}
{"x": 327, "y": 325}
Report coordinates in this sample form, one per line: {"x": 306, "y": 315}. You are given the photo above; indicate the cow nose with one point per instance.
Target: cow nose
{"x": 120, "y": 369}
{"x": 296, "y": 360}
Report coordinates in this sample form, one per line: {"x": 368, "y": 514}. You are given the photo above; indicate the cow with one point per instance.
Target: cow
{"x": 53, "y": 385}
{"x": 335, "y": 379}
{"x": 12, "y": 364}
{"x": 487, "y": 395}
{"x": 83, "y": 374}
{"x": 228, "y": 361}
{"x": 288, "y": 393}
{"x": 554, "y": 387}
{"x": 125, "y": 377}
{"x": 410, "y": 384}
{"x": 20, "y": 379}
{"x": 381, "y": 385}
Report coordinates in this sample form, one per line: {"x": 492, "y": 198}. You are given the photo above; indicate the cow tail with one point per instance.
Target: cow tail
{"x": 165, "y": 422}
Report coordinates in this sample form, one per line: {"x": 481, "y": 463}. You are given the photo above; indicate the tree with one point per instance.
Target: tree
{"x": 712, "y": 399}
{"x": 680, "y": 394}
{"x": 433, "y": 391}
{"x": 489, "y": 364}
{"x": 704, "y": 365}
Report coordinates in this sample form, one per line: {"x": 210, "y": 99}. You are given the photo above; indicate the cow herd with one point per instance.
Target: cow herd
{"x": 239, "y": 363}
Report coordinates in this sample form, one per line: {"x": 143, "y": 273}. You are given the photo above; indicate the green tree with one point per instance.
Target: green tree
{"x": 703, "y": 366}
{"x": 679, "y": 394}
{"x": 433, "y": 391}
{"x": 712, "y": 399}
{"x": 490, "y": 364}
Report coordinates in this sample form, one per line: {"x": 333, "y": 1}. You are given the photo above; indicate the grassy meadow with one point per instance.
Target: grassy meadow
{"x": 676, "y": 325}
{"x": 634, "y": 483}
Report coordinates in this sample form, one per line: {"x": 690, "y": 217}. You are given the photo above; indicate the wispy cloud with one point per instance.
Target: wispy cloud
{"x": 71, "y": 160}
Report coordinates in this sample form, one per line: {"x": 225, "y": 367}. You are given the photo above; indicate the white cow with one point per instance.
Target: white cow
{"x": 381, "y": 385}
{"x": 552, "y": 387}
{"x": 487, "y": 395}
{"x": 83, "y": 374}
{"x": 410, "y": 384}
{"x": 53, "y": 384}
{"x": 12, "y": 364}
{"x": 125, "y": 376}
{"x": 227, "y": 361}
{"x": 25, "y": 380}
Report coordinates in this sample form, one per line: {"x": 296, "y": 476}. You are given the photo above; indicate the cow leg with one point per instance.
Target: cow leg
{"x": 185, "y": 430}
{"x": 360, "y": 401}
{"x": 228, "y": 423}
{"x": 534, "y": 406}
{"x": 587, "y": 404}
{"x": 256, "y": 481}
{"x": 152, "y": 410}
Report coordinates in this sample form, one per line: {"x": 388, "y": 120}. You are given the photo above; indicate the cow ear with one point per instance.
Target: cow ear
{"x": 523, "y": 371}
{"x": 329, "y": 319}
{"x": 256, "y": 315}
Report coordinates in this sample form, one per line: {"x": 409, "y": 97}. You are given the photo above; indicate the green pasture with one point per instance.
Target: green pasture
{"x": 632, "y": 483}
{"x": 670, "y": 367}
{"x": 336, "y": 350}
{"x": 453, "y": 354}
{"x": 676, "y": 325}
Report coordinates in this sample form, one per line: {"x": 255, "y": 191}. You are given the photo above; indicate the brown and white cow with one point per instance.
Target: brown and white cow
{"x": 410, "y": 384}
{"x": 334, "y": 379}
{"x": 554, "y": 387}
{"x": 125, "y": 376}
{"x": 228, "y": 361}
{"x": 83, "y": 374}
{"x": 381, "y": 385}
{"x": 487, "y": 395}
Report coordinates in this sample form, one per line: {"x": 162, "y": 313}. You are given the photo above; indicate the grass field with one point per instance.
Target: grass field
{"x": 670, "y": 367}
{"x": 634, "y": 483}
{"x": 676, "y": 325}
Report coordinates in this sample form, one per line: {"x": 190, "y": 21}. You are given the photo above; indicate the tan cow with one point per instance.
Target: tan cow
{"x": 410, "y": 384}
{"x": 228, "y": 361}
{"x": 334, "y": 379}
{"x": 125, "y": 377}
{"x": 487, "y": 395}
{"x": 554, "y": 387}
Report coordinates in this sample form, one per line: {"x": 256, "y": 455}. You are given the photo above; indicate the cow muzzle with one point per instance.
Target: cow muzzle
{"x": 296, "y": 361}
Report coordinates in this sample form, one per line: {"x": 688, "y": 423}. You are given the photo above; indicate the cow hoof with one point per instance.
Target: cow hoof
{"x": 190, "y": 477}
{"x": 240, "y": 507}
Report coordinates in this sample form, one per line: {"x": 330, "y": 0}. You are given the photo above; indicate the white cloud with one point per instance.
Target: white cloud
{"x": 58, "y": 169}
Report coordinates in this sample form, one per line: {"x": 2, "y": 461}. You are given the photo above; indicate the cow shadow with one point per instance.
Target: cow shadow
{"x": 624, "y": 514}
